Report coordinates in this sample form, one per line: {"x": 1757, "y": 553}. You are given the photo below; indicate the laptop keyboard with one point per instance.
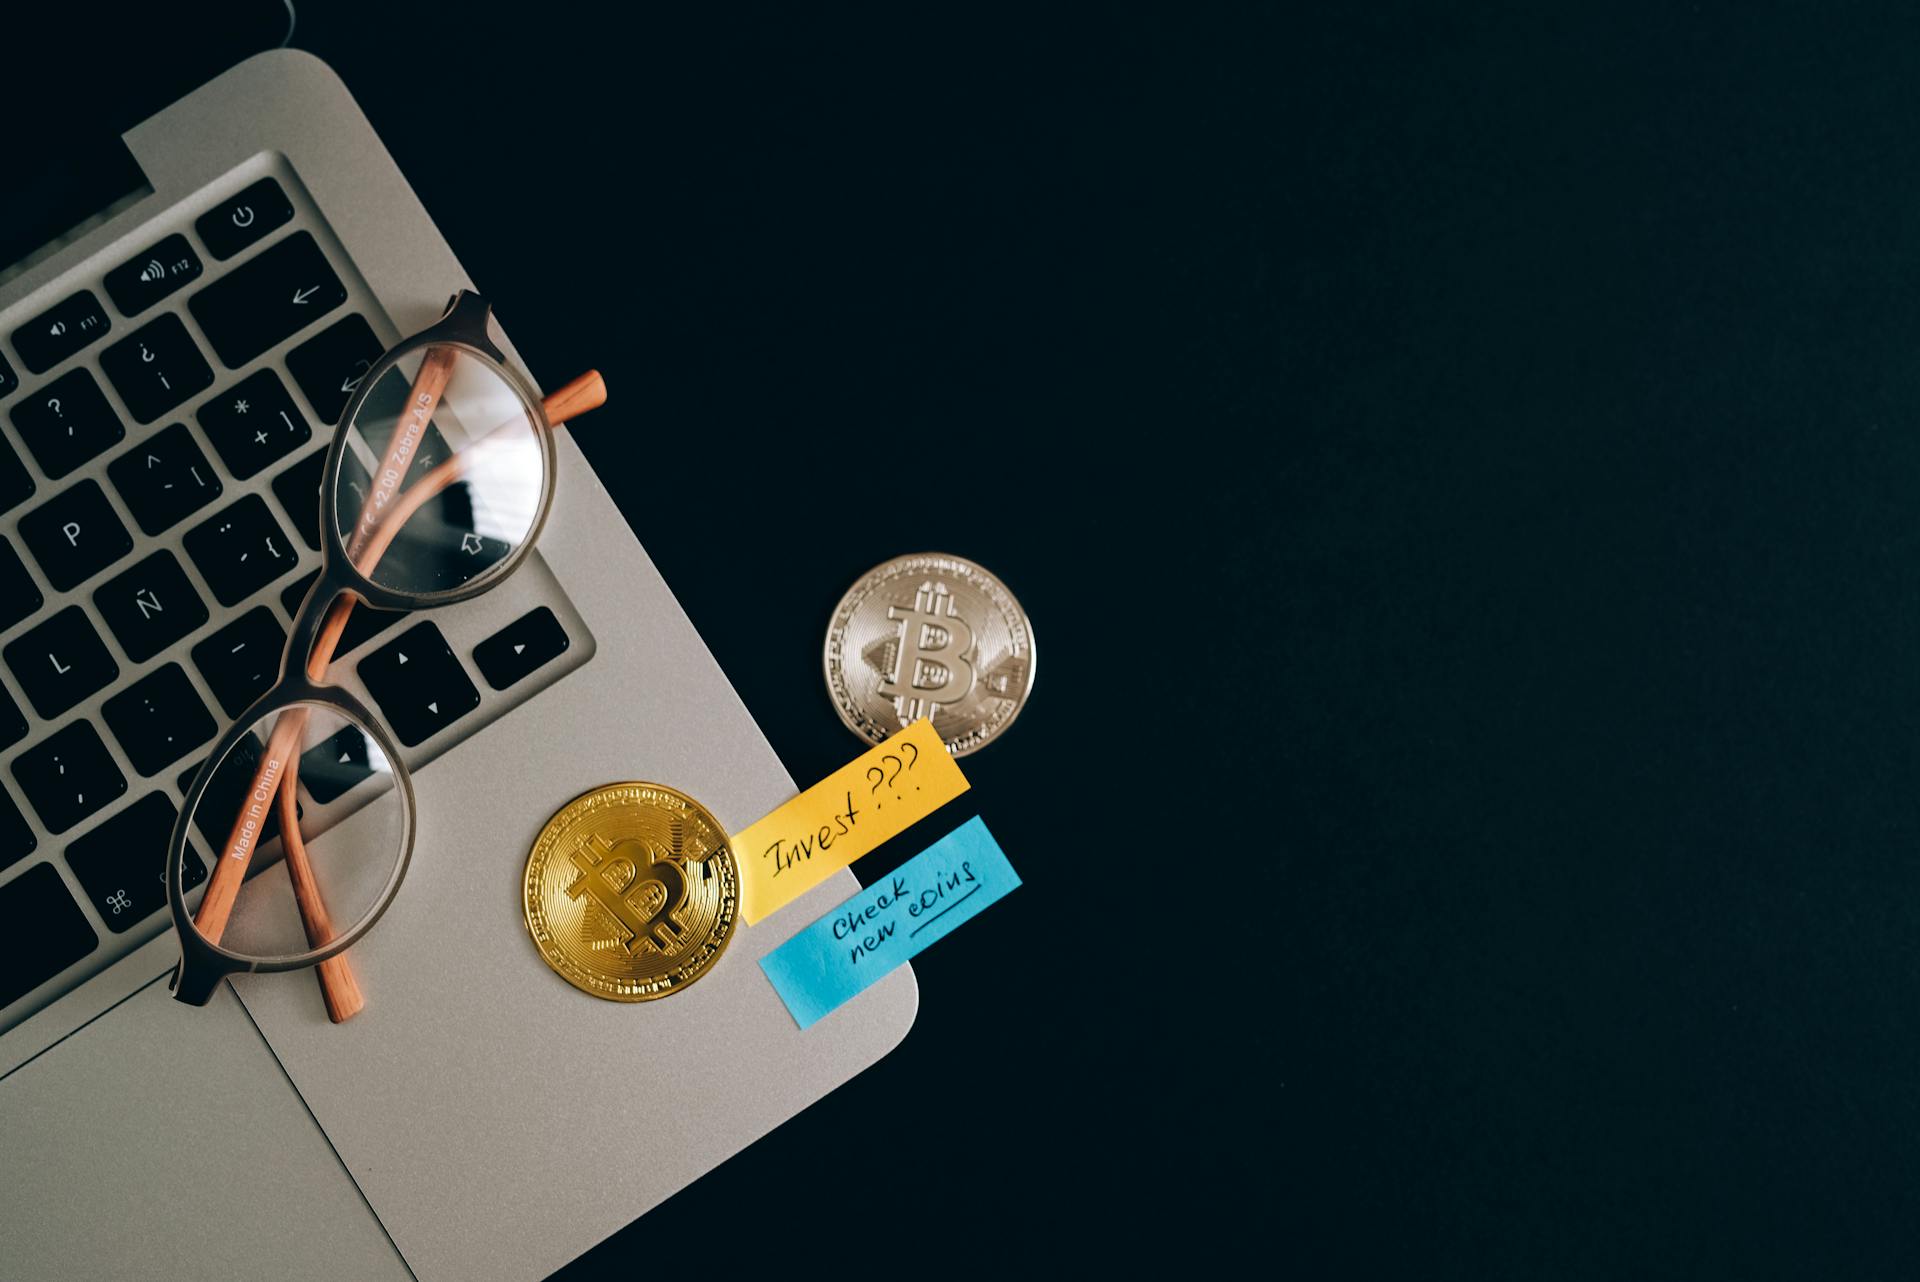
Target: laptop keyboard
{"x": 159, "y": 527}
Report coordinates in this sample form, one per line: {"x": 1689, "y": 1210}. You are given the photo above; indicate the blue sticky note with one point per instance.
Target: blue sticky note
{"x": 855, "y": 945}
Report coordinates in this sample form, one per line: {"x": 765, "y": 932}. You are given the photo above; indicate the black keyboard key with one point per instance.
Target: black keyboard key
{"x": 75, "y": 535}
{"x": 138, "y": 284}
{"x": 240, "y": 550}
{"x": 418, "y": 683}
{"x": 364, "y": 624}
{"x": 42, "y": 931}
{"x": 383, "y": 410}
{"x": 278, "y": 294}
{"x": 60, "y": 331}
{"x": 19, "y": 595}
{"x": 150, "y": 606}
{"x": 332, "y": 767}
{"x": 241, "y": 660}
{"x": 158, "y": 719}
{"x": 9, "y": 381}
{"x": 298, "y": 489}
{"x": 227, "y": 793}
{"x": 164, "y": 480}
{"x": 16, "y": 835}
{"x": 68, "y": 776}
{"x": 254, "y": 424}
{"x": 156, "y": 367}
{"x": 330, "y": 365}
{"x": 13, "y": 722}
{"x": 439, "y": 548}
{"x": 122, "y": 864}
{"x": 351, "y": 493}
{"x": 16, "y": 483}
{"x": 68, "y": 422}
{"x": 528, "y": 642}
{"x": 238, "y": 221}
{"x": 60, "y": 661}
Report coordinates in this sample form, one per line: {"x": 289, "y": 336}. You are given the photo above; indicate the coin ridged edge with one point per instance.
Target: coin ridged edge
{"x": 834, "y": 672}
{"x": 570, "y": 970}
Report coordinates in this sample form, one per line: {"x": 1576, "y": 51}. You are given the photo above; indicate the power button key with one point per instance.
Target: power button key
{"x": 243, "y": 218}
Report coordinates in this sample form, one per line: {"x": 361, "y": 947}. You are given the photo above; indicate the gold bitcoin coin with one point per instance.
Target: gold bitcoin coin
{"x": 632, "y": 891}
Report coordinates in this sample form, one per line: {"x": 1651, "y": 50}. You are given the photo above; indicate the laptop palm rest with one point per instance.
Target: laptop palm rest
{"x": 191, "y": 1122}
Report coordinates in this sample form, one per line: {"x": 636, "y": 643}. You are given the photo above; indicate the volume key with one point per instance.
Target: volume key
{"x": 60, "y": 331}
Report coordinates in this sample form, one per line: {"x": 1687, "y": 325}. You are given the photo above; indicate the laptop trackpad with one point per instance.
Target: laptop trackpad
{"x": 164, "y": 1142}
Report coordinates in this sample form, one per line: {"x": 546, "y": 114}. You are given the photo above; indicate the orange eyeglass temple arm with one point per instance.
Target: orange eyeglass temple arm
{"x": 338, "y": 986}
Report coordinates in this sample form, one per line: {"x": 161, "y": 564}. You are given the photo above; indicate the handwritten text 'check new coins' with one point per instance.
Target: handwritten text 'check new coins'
{"x": 878, "y": 795}
{"x": 873, "y": 933}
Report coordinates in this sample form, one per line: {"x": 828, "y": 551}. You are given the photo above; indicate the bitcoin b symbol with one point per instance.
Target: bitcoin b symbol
{"x": 612, "y": 874}
{"x": 932, "y": 666}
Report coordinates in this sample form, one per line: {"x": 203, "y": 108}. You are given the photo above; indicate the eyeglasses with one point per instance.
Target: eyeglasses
{"x": 436, "y": 486}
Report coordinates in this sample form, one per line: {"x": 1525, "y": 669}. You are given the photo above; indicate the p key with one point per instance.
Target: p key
{"x": 74, "y": 535}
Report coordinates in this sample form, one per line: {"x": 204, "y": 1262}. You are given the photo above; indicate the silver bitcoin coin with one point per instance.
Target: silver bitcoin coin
{"x": 934, "y": 636}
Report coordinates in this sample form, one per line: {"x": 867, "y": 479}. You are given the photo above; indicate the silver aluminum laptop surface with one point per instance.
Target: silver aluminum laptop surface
{"x": 480, "y": 1118}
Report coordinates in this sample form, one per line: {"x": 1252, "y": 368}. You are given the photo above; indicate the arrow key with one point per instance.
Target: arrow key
{"x": 336, "y": 764}
{"x": 418, "y": 683}
{"x": 533, "y": 639}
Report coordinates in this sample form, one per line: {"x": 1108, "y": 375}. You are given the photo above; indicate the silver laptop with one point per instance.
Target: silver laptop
{"x": 481, "y": 1118}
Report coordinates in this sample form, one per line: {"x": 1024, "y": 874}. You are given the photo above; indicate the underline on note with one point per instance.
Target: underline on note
{"x": 944, "y": 911}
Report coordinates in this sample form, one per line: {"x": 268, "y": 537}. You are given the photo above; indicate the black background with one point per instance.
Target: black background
{"x": 1461, "y": 468}
{"x": 1462, "y": 472}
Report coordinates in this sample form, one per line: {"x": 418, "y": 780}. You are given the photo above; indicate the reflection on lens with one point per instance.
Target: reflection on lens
{"x": 352, "y": 826}
{"x": 443, "y": 475}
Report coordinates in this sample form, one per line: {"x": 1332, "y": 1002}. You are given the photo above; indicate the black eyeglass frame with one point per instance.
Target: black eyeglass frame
{"x": 203, "y": 963}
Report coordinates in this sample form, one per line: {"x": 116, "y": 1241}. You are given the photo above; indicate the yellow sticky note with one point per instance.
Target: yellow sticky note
{"x": 877, "y": 795}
